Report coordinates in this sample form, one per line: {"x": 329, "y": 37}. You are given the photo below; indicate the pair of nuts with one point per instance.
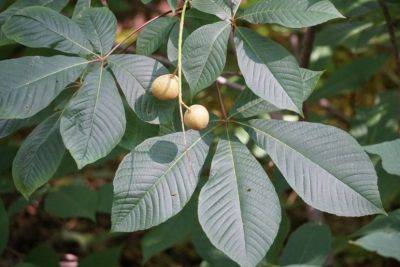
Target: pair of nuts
{"x": 166, "y": 87}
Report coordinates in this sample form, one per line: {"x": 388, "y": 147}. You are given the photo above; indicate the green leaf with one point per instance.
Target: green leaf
{"x": 385, "y": 244}
{"x": 172, "y": 232}
{"x": 136, "y": 131}
{"x": 80, "y": 7}
{"x": 324, "y": 165}
{"x": 105, "y": 198}
{"x": 154, "y": 35}
{"x": 109, "y": 257}
{"x": 135, "y": 74}
{"x": 173, "y": 4}
{"x": 248, "y": 105}
{"x": 157, "y": 179}
{"x": 269, "y": 70}
{"x": 389, "y": 153}
{"x": 43, "y": 256}
{"x": 8, "y": 127}
{"x": 172, "y": 44}
{"x": 94, "y": 120}
{"x": 72, "y": 201}
{"x": 232, "y": 204}
{"x": 204, "y": 54}
{"x": 361, "y": 69}
{"x": 4, "y": 224}
{"x": 29, "y": 84}
{"x": 99, "y": 26}
{"x": 44, "y": 27}
{"x": 289, "y": 13}
{"x": 224, "y": 9}
{"x": 39, "y": 156}
{"x": 309, "y": 244}
{"x": 382, "y": 223}
{"x": 310, "y": 79}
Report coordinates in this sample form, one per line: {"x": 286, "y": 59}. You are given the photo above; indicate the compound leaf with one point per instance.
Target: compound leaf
{"x": 224, "y": 9}
{"x": 389, "y": 153}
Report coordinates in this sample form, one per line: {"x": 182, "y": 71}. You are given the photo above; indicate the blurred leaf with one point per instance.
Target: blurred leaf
{"x": 80, "y": 7}
{"x": 136, "y": 131}
{"x": 154, "y": 35}
{"x": 389, "y": 153}
{"x": 385, "y": 244}
{"x": 275, "y": 250}
{"x": 72, "y": 201}
{"x": 293, "y": 14}
{"x": 309, "y": 244}
{"x": 382, "y": 223}
{"x": 43, "y": 256}
{"x": 4, "y": 224}
{"x": 39, "y": 156}
{"x": 350, "y": 77}
{"x": 107, "y": 258}
{"x": 172, "y": 232}
{"x": 105, "y": 197}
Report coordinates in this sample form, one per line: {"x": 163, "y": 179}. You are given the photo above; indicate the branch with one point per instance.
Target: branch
{"x": 391, "y": 29}
{"x": 221, "y": 102}
{"x": 308, "y": 44}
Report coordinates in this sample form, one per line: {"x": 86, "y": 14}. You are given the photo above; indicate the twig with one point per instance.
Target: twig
{"x": 136, "y": 31}
{"x": 180, "y": 44}
{"x": 308, "y": 44}
{"x": 391, "y": 29}
{"x": 221, "y": 102}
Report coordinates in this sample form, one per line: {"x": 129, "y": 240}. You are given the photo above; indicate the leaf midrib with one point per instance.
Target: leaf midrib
{"x": 291, "y": 148}
{"x": 260, "y": 58}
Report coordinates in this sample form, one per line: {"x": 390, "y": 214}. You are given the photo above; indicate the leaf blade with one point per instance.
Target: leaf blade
{"x": 330, "y": 160}
{"x": 94, "y": 121}
{"x": 231, "y": 204}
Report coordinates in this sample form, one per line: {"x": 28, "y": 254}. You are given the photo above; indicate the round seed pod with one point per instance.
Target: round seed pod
{"x": 165, "y": 87}
{"x": 196, "y": 117}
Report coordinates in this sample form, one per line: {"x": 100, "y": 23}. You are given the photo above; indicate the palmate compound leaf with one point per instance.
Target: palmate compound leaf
{"x": 135, "y": 74}
{"x": 29, "y": 84}
{"x": 204, "y": 54}
{"x": 99, "y": 25}
{"x": 39, "y": 156}
{"x": 324, "y": 165}
{"x": 269, "y": 70}
{"x": 289, "y": 13}
{"x": 157, "y": 179}
{"x": 43, "y": 27}
{"x": 238, "y": 207}
{"x": 94, "y": 120}
{"x": 224, "y": 9}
